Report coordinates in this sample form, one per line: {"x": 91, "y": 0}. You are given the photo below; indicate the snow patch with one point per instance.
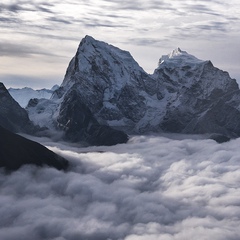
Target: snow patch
{"x": 23, "y": 95}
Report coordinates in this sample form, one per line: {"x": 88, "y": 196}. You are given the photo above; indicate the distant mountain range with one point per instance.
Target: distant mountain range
{"x": 106, "y": 95}
{"x": 23, "y": 95}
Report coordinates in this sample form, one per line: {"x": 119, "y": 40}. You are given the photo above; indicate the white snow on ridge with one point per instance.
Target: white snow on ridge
{"x": 44, "y": 113}
{"x": 177, "y": 56}
{"x": 23, "y": 95}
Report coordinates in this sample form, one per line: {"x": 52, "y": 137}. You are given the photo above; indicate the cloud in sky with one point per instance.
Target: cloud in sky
{"x": 147, "y": 29}
{"x": 151, "y": 188}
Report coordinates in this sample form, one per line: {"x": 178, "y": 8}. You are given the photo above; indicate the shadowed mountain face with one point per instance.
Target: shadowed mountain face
{"x": 80, "y": 125}
{"x": 15, "y": 151}
{"x": 201, "y": 96}
{"x": 12, "y": 116}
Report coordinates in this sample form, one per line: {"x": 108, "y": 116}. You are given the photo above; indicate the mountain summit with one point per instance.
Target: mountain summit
{"x": 179, "y": 57}
{"x": 105, "y": 87}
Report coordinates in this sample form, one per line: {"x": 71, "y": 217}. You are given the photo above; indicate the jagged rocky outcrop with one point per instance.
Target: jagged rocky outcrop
{"x": 12, "y": 116}
{"x": 199, "y": 96}
{"x": 80, "y": 125}
{"x": 16, "y": 151}
{"x": 110, "y": 82}
{"x": 183, "y": 95}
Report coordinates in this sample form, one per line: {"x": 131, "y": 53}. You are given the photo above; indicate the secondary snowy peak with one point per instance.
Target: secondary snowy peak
{"x": 179, "y": 70}
{"x": 179, "y": 57}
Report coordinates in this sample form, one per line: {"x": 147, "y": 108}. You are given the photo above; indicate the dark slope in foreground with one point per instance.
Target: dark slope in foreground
{"x": 16, "y": 151}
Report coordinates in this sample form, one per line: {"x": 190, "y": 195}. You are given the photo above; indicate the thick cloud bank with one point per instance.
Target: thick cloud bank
{"x": 151, "y": 188}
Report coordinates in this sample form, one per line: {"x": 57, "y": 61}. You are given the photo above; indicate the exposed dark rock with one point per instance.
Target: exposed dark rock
{"x": 219, "y": 138}
{"x": 201, "y": 97}
{"x": 12, "y": 116}
{"x": 16, "y": 151}
{"x": 184, "y": 95}
{"x": 80, "y": 125}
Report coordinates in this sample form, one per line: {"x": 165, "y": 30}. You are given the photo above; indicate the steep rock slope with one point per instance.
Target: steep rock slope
{"x": 16, "y": 151}
{"x": 112, "y": 85}
{"x": 82, "y": 104}
{"x": 184, "y": 94}
{"x": 80, "y": 125}
{"x": 199, "y": 90}
{"x": 12, "y": 115}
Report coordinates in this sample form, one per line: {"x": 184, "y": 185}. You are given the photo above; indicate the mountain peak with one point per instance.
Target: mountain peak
{"x": 89, "y": 39}
{"x": 94, "y": 56}
{"x": 177, "y": 56}
{"x": 177, "y": 52}
{"x": 105, "y": 86}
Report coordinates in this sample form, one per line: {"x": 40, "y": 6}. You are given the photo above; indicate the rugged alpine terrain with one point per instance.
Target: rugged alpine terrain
{"x": 12, "y": 116}
{"x": 200, "y": 96}
{"x": 15, "y": 150}
{"x": 104, "y": 86}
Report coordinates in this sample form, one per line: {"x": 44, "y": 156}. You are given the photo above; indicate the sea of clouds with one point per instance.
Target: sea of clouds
{"x": 153, "y": 187}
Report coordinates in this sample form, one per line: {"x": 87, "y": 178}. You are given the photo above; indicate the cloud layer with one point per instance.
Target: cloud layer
{"x": 154, "y": 187}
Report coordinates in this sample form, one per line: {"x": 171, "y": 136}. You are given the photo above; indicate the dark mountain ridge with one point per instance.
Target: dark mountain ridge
{"x": 12, "y": 116}
{"x": 15, "y": 150}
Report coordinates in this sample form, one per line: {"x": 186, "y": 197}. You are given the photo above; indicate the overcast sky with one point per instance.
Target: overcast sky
{"x": 38, "y": 37}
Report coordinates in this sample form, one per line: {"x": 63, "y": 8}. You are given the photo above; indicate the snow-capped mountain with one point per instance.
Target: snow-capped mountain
{"x": 184, "y": 94}
{"x": 110, "y": 82}
{"x": 23, "y": 95}
{"x": 195, "y": 88}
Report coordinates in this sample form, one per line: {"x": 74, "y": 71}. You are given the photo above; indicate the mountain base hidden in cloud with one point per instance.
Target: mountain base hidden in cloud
{"x": 183, "y": 95}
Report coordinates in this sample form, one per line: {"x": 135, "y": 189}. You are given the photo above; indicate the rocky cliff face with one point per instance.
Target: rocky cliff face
{"x": 184, "y": 94}
{"x": 80, "y": 125}
{"x": 110, "y": 82}
{"x": 12, "y": 116}
{"x": 198, "y": 93}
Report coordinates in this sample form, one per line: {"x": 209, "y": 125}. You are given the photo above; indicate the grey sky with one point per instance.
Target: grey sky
{"x": 38, "y": 38}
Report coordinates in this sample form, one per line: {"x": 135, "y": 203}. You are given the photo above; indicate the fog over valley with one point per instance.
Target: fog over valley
{"x": 154, "y": 187}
